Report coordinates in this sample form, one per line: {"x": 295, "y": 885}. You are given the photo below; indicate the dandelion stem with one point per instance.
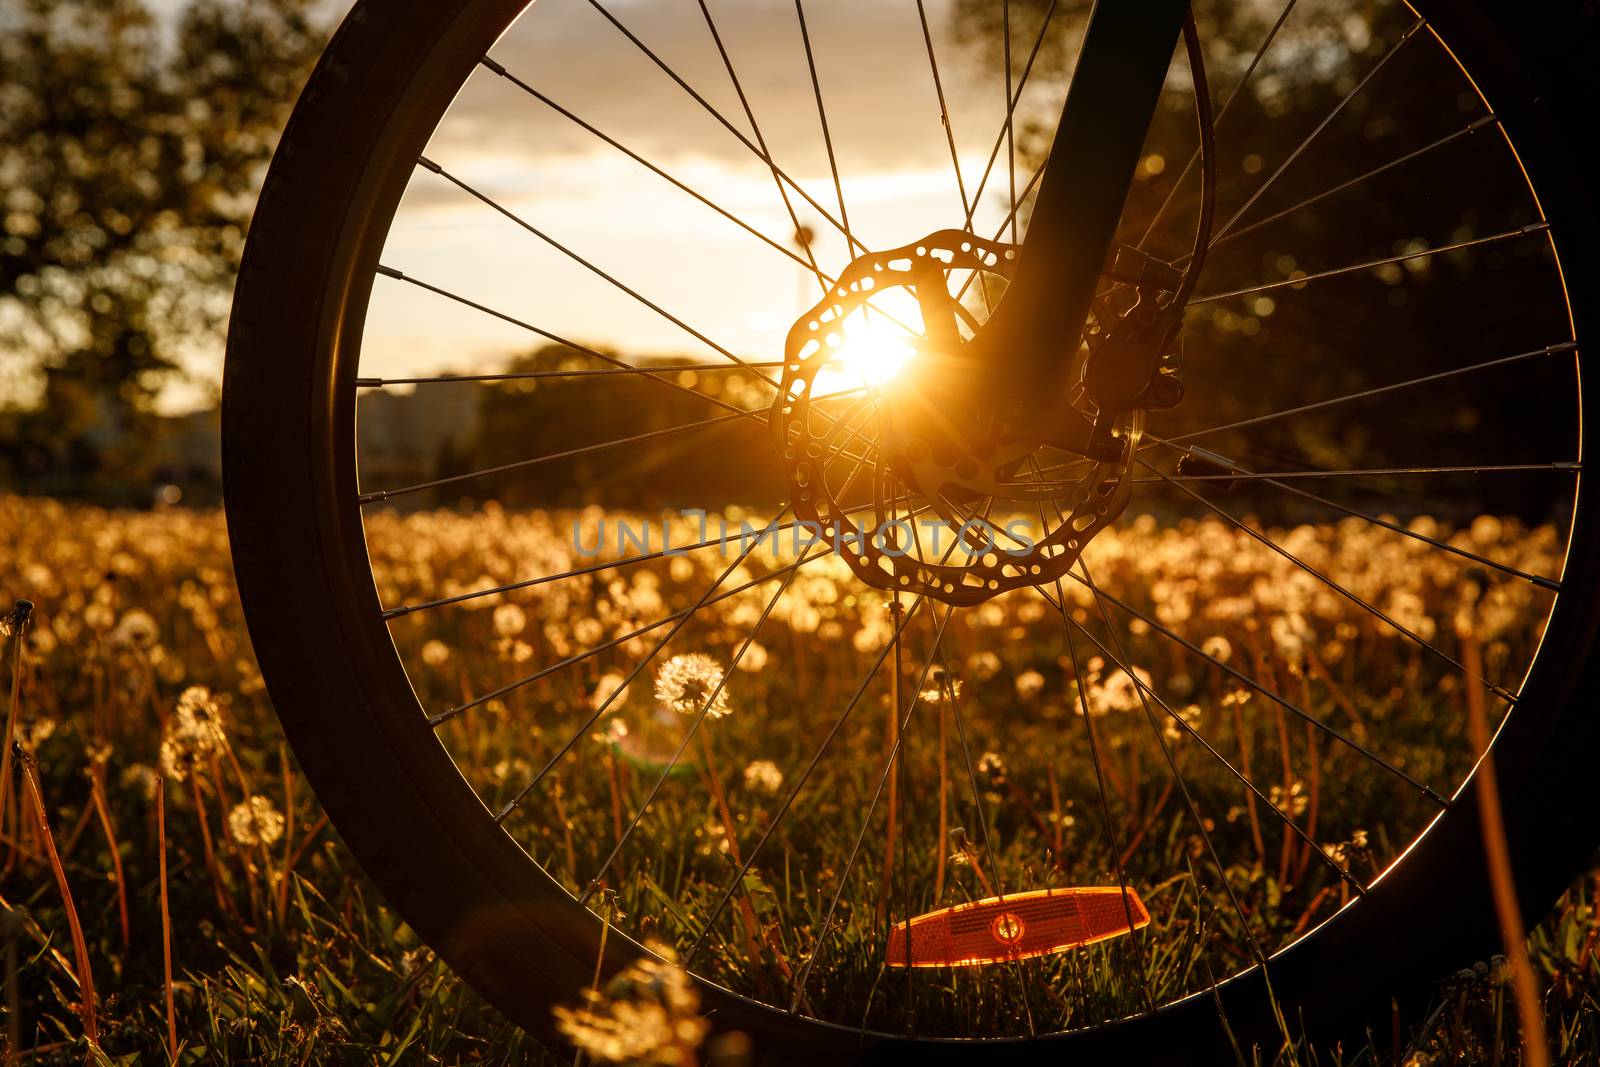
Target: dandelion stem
{"x": 1535, "y": 1050}
{"x": 205, "y": 837}
{"x": 166, "y": 917}
{"x": 944, "y": 802}
{"x": 288, "y": 834}
{"x": 19, "y": 628}
{"x": 747, "y": 912}
{"x": 307, "y": 841}
{"x": 1243, "y": 737}
{"x": 616, "y": 796}
{"x": 80, "y": 947}
{"x": 10, "y": 922}
{"x": 892, "y": 748}
{"x": 97, "y": 794}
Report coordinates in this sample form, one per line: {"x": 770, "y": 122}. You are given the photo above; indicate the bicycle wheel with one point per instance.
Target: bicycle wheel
{"x": 546, "y": 643}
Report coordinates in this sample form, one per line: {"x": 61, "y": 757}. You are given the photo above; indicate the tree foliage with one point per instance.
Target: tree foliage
{"x": 131, "y": 147}
{"x": 1335, "y": 152}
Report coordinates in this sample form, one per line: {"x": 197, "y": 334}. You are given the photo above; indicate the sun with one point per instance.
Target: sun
{"x": 871, "y": 351}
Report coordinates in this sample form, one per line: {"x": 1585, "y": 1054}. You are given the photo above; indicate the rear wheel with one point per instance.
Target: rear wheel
{"x": 1271, "y": 751}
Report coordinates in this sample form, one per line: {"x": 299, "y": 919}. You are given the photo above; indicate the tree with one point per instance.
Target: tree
{"x": 131, "y": 147}
{"x": 1387, "y": 193}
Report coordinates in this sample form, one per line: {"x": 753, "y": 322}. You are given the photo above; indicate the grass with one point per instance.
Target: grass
{"x": 171, "y": 888}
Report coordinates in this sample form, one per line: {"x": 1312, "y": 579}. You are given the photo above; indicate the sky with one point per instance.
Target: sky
{"x": 897, "y": 176}
{"x": 718, "y": 281}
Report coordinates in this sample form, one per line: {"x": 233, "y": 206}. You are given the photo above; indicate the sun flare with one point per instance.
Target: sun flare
{"x": 872, "y": 350}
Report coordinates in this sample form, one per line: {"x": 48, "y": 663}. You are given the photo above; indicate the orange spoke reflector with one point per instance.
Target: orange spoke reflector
{"x": 1015, "y": 927}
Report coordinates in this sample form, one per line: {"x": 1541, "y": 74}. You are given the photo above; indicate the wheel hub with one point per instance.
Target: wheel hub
{"x": 959, "y": 504}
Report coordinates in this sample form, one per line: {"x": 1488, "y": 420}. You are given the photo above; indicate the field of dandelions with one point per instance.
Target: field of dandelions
{"x": 169, "y": 885}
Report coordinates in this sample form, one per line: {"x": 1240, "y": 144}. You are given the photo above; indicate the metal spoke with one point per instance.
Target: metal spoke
{"x": 1038, "y": 172}
{"x": 979, "y": 807}
{"x": 1011, "y": 107}
{"x": 866, "y": 821}
{"x": 1060, "y": 604}
{"x": 824, "y": 279}
{"x": 1011, "y": 143}
{"x": 1115, "y": 846}
{"x": 578, "y": 657}
{"x": 822, "y": 113}
{"x": 603, "y": 565}
{"x": 1226, "y": 104}
{"x": 1548, "y": 350}
{"x": 402, "y": 276}
{"x": 666, "y": 549}
{"x": 1449, "y": 138}
{"x": 571, "y": 453}
{"x": 644, "y": 662}
{"x": 944, "y": 110}
{"x": 1354, "y": 882}
{"x": 1456, "y": 246}
{"x": 1081, "y": 682}
{"x": 936, "y": 648}
{"x": 983, "y": 825}
{"x": 805, "y": 775}
{"x": 983, "y": 819}
{"x": 749, "y": 113}
{"x": 1261, "y": 690}
{"x": 722, "y": 119}
{"x": 585, "y": 372}
{"x": 445, "y": 716}
{"x": 1372, "y": 609}
{"x": 688, "y": 736}
{"x": 1242, "y": 475}
{"x": 654, "y": 169}
{"x": 1188, "y": 800}
{"x": 469, "y": 189}
{"x": 1538, "y": 580}
{"x": 1252, "y": 684}
{"x": 1315, "y": 133}
{"x": 583, "y": 450}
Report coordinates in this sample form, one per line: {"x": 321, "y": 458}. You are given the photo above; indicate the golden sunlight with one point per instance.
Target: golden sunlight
{"x": 876, "y": 343}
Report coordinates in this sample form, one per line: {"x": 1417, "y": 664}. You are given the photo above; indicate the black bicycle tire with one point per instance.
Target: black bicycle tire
{"x": 418, "y": 829}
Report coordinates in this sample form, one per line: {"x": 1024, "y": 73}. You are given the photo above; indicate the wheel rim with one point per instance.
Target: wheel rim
{"x": 1557, "y": 350}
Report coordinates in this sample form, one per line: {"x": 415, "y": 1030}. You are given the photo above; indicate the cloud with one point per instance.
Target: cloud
{"x": 872, "y": 66}
{"x": 883, "y": 116}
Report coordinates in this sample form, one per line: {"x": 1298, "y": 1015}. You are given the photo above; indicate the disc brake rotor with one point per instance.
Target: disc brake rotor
{"x": 940, "y": 466}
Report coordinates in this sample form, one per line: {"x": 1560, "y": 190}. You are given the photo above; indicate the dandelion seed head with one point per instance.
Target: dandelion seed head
{"x": 649, "y": 1013}
{"x": 509, "y": 620}
{"x": 136, "y": 629}
{"x": 1029, "y": 683}
{"x": 1175, "y": 732}
{"x": 139, "y": 777}
{"x": 983, "y": 665}
{"x": 1118, "y": 691}
{"x": 754, "y": 659}
{"x": 609, "y": 690}
{"x": 763, "y": 776}
{"x": 194, "y": 733}
{"x": 993, "y": 767}
{"x": 686, "y": 683}
{"x": 255, "y": 822}
{"x": 35, "y": 733}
